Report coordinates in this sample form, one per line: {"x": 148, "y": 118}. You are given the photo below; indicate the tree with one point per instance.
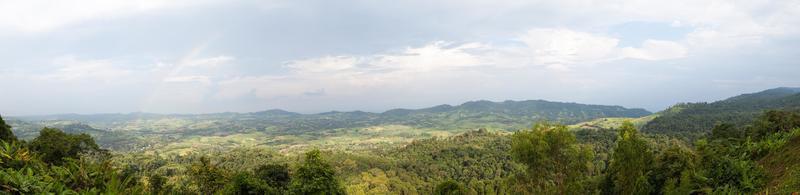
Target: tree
{"x": 156, "y": 183}
{"x": 556, "y": 163}
{"x": 245, "y": 183}
{"x": 276, "y": 176}
{"x": 674, "y": 166}
{"x": 725, "y": 131}
{"x": 631, "y": 163}
{"x": 54, "y": 145}
{"x": 315, "y": 176}
{"x": 774, "y": 121}
{"x": 207, "y": 176}
{"x": 449, "y": 187}
{"x": 5, "y": 132}
{"x": 726, "y": 167}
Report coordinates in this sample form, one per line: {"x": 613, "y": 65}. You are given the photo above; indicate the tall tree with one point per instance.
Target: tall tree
{"x": 315, "y": 176}
{"x": 674, "y": 165}
{"x": 276, "y": 175}
{"x": 207, "y": 176}
{"x": 449, "y": 187}
{"x": 630, "y": 163}
{"x": 5, "y": 132}
{"x": 246, "y": 183}
{"x": 54, "y": 145}
{"x": 556, "y": 163}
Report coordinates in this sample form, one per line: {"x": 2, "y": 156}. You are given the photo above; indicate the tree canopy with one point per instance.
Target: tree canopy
{"x": 5, "y": 132}
{"x": 556, "y": 163}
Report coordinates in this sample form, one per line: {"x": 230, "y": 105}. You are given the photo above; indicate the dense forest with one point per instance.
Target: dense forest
{"x": 695, "y": 119}
{"x": 746, "y": 153}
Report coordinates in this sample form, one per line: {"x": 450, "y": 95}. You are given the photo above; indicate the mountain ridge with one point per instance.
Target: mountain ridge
{"x": 699, "y": 118}
{"x": 470, "y": 105}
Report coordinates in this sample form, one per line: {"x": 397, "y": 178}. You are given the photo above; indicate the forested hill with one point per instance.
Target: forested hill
{"x": 508, "y": 115}
{"x": 694, "y": 119}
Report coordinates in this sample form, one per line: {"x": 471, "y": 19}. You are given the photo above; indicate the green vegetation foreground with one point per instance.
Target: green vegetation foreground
{"x": 546, "y": 159}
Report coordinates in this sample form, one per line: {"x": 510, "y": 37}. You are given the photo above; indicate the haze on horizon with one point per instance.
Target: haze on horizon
{"x": 316, "y": 56}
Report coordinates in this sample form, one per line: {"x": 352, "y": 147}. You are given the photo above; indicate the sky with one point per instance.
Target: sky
{"x": 204, "y": 56}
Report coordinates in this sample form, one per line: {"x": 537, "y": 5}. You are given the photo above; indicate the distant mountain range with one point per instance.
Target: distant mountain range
{"x": 283, "y": 129}
{"x": 568, "y": 112}
{"x": 506, "y": 114}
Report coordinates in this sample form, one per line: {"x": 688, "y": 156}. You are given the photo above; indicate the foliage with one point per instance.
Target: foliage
{"x": 5, "y": 132}
{"x": 207, "y": 176}
{"x": 774, "y": 121}
{"x": 25, "y": 173}
{"x": 156, "y": 183}
{"x": 631, "y": 163}
{"x": 449, "y": 187}
{"x": 693, "y": 120}
{"x": 556, "y": 163}
{"x": 275, "y": 175}
{"x": 255, "y": 153}
{"x": 480, "y": 159}
{"x": 54, "y": 145}
{"x": 14, "y": 155}
{"x": 315, "y": 176}
{"x": 676, "y": 166}
{"x": 246, "y": 183}
{"x": 782, "y": 165}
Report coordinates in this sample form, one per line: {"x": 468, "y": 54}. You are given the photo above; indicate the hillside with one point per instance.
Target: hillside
{"x": 783, "y": 167}
{"x": 694, "y": 119}
{"x": 613, "y": 122}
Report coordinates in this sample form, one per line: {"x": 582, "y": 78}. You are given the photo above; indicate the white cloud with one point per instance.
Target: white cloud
{"x": 545, "y": 50}
{"x": 342, "y": 75}
{"x": 433, "y": 57}
{"x": 212, "y": 61}
{"x": 193, "y": 78}
{"x": 72, "y": 69}
{"x": 656, "y": 50}
{"x": 561, "y": 48}
{"x": 324, "y": 64}
{"x": 44, "y": 15}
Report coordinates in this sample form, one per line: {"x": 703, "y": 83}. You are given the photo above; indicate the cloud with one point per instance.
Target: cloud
{"x": 45, "y": 15}
{"x": 194, "y": 78}
{"x": 561, "y": 48}
{"x": 323, "y": 64}
{"x": 212, "y": 61}
{"x": 71, "y": 68}
{"x": 541, "y": 50}
{"x": 656, "y": 50}
{"x": 362, "y": 52}
{"x": 433, "y": 57}
{"x": 350, "y": 75}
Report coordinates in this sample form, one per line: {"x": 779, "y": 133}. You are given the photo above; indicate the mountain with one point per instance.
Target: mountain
{"x": 506, "y": 115}
{"x": 695, "y": 119}
{"x": 283, "y": 128}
